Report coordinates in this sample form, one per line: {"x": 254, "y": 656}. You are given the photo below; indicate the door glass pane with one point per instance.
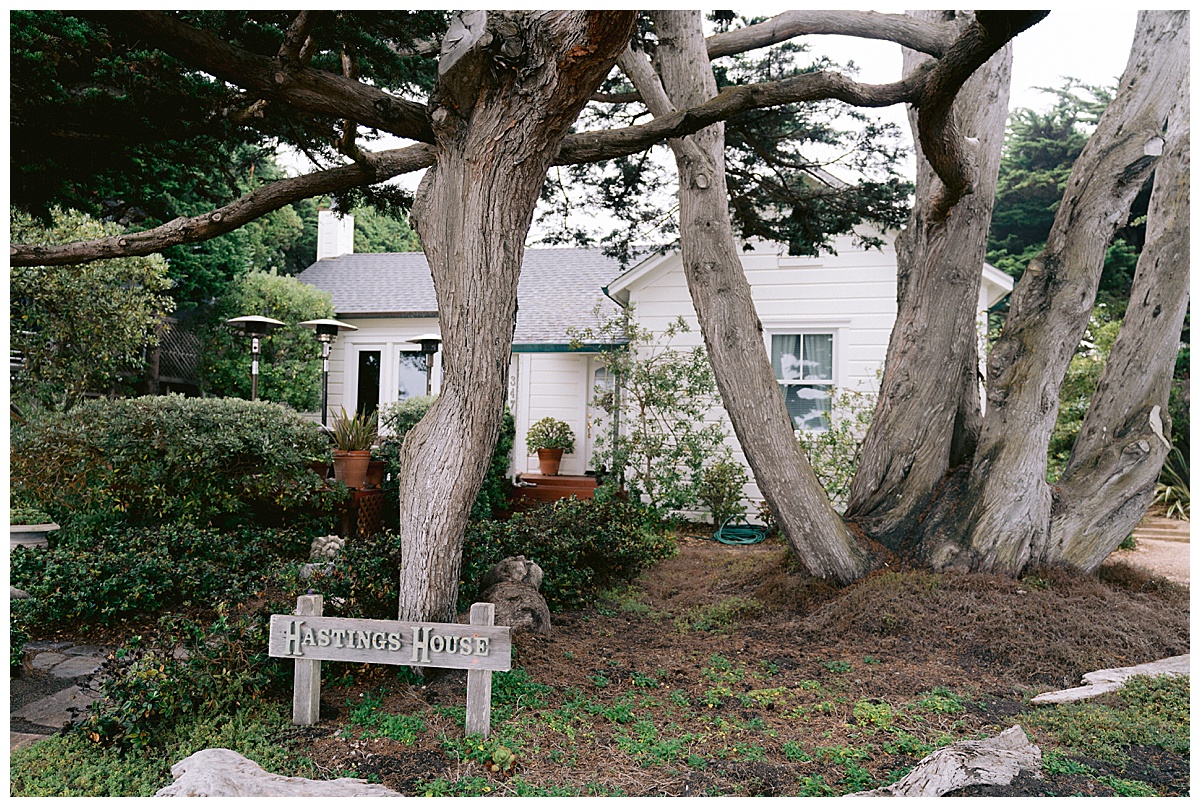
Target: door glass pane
{"x": 410, "y": 375}
{"x": 785, "y": 356}
{"x": 808, "y": 406}
{"x": 818, "y": 356}
{"x": 368, "y": 381}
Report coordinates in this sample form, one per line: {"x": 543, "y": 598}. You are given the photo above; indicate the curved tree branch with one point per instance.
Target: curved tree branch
{"x": 314, "y": 91}
{"x": 386, "y": 165}
{"x": 927, "y": 37}
{"x": 919, "y": 35}
{"x": 941, "y": 142}
{"x": 930, "y": 87}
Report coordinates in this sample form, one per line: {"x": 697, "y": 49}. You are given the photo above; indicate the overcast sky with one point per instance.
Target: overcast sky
{"x": 1090, "y": 45}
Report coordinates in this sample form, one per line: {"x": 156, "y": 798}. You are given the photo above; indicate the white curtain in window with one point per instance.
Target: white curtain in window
{"x": 785, "y": 356}
{"x": 818, "y": 356}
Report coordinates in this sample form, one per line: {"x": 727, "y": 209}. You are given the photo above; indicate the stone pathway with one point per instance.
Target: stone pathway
{"x": 1163, "y": 548}
{"x": 58, "y": 681}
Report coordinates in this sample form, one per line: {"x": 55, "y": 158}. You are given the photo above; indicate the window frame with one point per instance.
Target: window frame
{"x": 837, "y": 328}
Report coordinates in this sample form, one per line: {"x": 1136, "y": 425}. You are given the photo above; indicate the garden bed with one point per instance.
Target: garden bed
{"x": 724, "y": 671}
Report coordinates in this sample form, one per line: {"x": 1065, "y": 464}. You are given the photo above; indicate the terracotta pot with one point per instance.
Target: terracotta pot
{"x": 321, "y": 469}
{"x": 374, "y": 477}
{"x": 548, "y": 460}
{"x": 349, "y": 467}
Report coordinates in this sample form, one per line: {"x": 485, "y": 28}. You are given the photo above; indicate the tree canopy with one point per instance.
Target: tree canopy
{"x": 940, "y": 480}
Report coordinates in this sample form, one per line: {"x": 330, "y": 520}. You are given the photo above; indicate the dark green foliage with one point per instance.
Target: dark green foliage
{"x": 103, "y": 124}
{"x": 101, "y": 577}
{"x": 218, "y": 461}
{"x": 147, "y": 693}
{"x": 290, "y": 363}
{"x": 399, "y": 418}
{"x": 81, "y": 329}
{"x": 776, "y": 167}
{"x": 583, "y": 547}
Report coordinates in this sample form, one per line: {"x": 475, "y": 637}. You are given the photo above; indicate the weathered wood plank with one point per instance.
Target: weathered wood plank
{"x": 306, "y": 695}
{"x": 380, "y": 641}
{"x": 479, "y": 682}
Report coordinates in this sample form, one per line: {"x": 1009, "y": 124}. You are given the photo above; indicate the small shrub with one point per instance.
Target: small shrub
{"x": 147, "y": 694}
{"x": 721, "y": 488}
{"x": 583, "y": 546}
{"x": 220, "y": 461}
{"x": 25, "y": 514}
{"x": 550, "y": 433}
{"x": 1173, "y": 492}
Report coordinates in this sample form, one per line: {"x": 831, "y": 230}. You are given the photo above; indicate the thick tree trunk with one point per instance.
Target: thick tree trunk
{"x": 1110, "y": 477}
{"x": 927, "y": 419}
{"x": 509, "y": 86}
{"x": 730, "y": 326}
{"x": 1008, "y": 523}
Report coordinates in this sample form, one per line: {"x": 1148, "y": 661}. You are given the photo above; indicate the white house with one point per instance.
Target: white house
{"x": 826, "y": 323}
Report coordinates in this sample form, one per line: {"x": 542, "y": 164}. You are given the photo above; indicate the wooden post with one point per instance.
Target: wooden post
{"x": 306, "y": 699}
{"x": 479, "y": 682}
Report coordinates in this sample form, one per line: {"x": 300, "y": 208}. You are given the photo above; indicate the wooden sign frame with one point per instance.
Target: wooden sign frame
{"x": 309, "y": 638}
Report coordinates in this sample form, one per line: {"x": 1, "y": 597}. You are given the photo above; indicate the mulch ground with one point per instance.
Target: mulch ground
{"x": 695, "y": 649}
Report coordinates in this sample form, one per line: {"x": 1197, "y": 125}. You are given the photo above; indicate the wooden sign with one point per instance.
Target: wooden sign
{"x": 381, "y": 641}
{"x": 310, "y": 638}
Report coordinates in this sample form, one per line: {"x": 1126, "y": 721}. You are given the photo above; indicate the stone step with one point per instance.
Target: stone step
{"x": 55, "y": 711}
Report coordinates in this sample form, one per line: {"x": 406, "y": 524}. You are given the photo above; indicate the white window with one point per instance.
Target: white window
{"x": 804, "y": 367}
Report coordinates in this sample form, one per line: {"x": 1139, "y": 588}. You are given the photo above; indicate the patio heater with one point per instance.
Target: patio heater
{"x": 429, "y": 345}
{"x": 326, "y": 331}
{"x": 256, "y": 328}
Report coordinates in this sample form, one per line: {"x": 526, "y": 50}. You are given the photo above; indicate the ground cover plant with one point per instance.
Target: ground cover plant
{"x": 719, "y": 671}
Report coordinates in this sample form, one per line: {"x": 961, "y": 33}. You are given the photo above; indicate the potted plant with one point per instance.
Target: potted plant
{"x": 353, "y": 436}
{"x": 29, "y": 526}
{"x": 550, "y": 439}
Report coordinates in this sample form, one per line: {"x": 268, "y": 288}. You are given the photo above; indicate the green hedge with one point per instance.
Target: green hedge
{"x": 219, "y": 461}
{"x": 583, "y": 547}
{"x": 127, "y": 571}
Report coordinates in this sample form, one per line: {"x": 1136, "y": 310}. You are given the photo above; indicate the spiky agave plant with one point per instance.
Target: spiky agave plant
{"x": 1173, "y": 491}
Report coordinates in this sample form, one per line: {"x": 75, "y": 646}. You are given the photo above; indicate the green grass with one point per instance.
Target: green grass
{"x": 70, "y": 765}
{"x": 1146, "y": 711}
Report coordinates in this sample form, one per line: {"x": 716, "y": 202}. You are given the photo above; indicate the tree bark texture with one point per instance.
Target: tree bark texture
{"x": 1114, "y": 465}
{"x": 1008, "y": 524}
{"x": 509, "y": 86}
{"x": 730, "y": 326}
{"x": 928, "y": 417}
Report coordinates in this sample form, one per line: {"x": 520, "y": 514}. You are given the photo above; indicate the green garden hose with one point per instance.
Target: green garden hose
{"x": 743, "y": 534}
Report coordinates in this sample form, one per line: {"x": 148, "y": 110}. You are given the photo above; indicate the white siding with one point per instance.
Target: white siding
{"x": 851, "y": 294}
{"x": 552, "y": 385}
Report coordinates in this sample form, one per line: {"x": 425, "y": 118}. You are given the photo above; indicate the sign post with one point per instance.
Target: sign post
{"x": 309, "y": 638}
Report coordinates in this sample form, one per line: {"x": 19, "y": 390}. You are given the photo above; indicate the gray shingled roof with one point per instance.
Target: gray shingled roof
{"x": 559, "y": 288}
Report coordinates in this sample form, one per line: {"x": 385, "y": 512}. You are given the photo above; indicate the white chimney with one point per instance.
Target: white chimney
{"x": 335, "y": 234}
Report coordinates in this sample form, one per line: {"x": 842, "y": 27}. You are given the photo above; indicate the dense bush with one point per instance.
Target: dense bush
{"x": 218, "y": 461}
{"x": 148, "y": 692}
{"x": 397, "y": 419}
{"x": 583, "y": 546}
{"x": 82, "y": 328}
{"x": 721, "y": 489}
{"x": 124, "y": 571}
